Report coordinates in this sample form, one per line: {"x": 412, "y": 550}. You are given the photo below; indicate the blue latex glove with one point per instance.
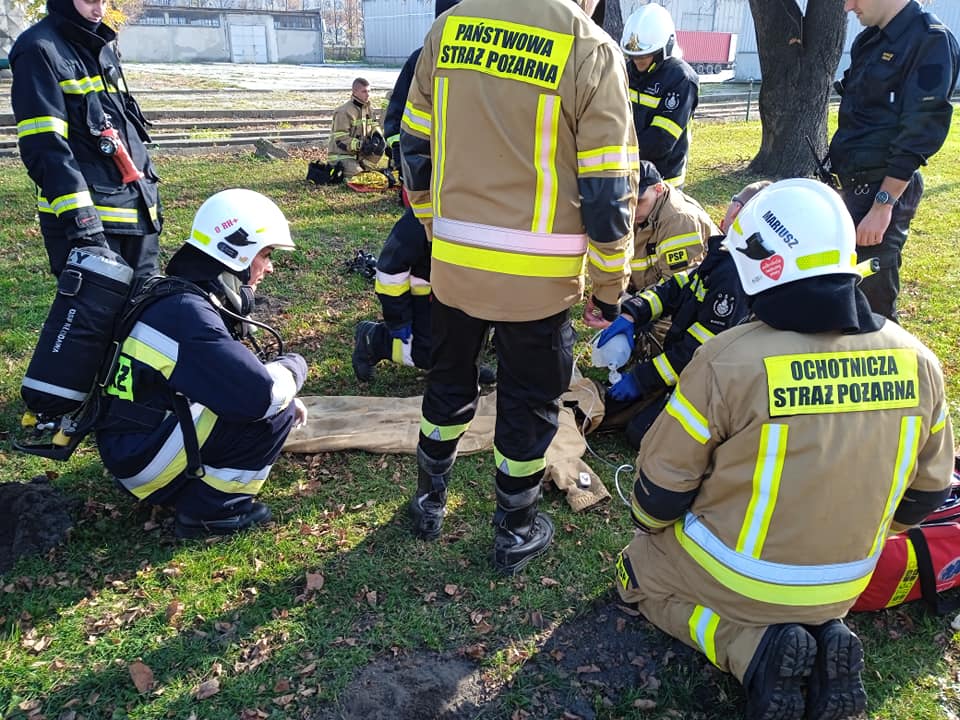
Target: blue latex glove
{"x": 621, "y": 326}
{"x": 626, "y": 390}
{"x": 402, "y": 333}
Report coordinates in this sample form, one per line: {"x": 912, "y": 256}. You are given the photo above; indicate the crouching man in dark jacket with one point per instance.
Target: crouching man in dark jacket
{"x": 195, "y": 419}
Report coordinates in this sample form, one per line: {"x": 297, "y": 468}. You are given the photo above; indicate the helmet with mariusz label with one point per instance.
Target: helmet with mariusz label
{"x": 792, "y": 230}
{"x": 234, "y": 225}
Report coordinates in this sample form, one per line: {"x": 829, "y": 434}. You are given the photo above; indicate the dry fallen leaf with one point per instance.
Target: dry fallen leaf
{"x": 315, "y": 581}
{"x": 588, "y": 669}
{"x": 549, "y": 582}
{"x": 281, "y": 686}
{"x": 644, "y": 704}
{"x": 450, "y": 589}
{"x": 174, "y": 611}
{"x": 141, "y": 675}
{"x": 284, "y": 700}
{"x": 208, "y": 688}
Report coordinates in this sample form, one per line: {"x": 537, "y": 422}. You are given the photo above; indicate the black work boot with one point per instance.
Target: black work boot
{"x": 429, "y": 504}
{"x": 522, "y": 532}
{"x": 188, "y": 527}
{"x": 365, "y": 357}
{"x": 487, "y": 375}
{"x": 836, "y": 689}
{"x": 775, "y": 680}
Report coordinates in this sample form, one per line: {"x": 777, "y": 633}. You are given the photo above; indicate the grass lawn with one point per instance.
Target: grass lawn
{"x": 286, "y": 621}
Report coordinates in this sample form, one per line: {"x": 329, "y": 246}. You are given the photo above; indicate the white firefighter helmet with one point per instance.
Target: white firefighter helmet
{"x": 234, "y": 225}
{"x": 649, "y": 29}
{"x": 792, "y": 230}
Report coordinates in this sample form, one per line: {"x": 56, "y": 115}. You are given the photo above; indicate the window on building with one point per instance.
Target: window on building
{"x": 151, "y": 18}
{"x": 194, "y": 19}
{"x": 296, "y": 22}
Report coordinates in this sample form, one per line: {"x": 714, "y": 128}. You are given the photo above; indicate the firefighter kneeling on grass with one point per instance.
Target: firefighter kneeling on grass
{"x": 183, "y": 362}
{"x": 761, "y": 513}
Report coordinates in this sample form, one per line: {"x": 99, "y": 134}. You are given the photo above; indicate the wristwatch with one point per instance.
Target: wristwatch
{"x": 883, "y": 198}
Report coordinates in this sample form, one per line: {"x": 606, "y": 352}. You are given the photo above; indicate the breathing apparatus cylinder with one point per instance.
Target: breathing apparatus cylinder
{"x": 91, "y": 292}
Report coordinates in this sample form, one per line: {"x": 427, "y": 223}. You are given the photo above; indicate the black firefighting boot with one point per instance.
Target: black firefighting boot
{"x": 368, "y": 348}
{"x": 429, "y": 504}
{"x": 836, "y": 689}
{"x": 190, "y": 527}
{"x": 778, "y": 673}
{"x": 522, "y": 532}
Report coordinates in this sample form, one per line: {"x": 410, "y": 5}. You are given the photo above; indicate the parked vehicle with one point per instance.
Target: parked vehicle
{"x": 708, "y": 53}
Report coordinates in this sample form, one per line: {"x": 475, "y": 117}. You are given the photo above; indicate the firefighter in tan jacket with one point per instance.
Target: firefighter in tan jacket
{"x": 355, "y": 138}
{"x": 792, "y": 446}
{"x": 519, "y": 157}
{"x": 670, "y": 230}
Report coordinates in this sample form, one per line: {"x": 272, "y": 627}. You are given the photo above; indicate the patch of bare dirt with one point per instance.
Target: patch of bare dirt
{"x": 34, "y": 518}
{"x": 602, "y": 664}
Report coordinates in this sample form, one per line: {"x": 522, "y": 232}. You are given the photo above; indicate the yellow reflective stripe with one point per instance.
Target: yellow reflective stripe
{"x": 682, "y": 278}
{"x": 667, "y": 124}
{"x": 422, "y": 210}
{"x": 439, "y": 142}
{"x": 615, "y": 262}
{"x": 700, "y": 333}
{"x": 42, "y": 124}
{"x": 116, "y": 214}
{"x": 153, "y": 213}
{"x": 392, "y": 289}
{"x": 82, "y": 86}
{"x": 72, "y": 201}
{"x": 769, "y": 592}
{"x": 818, "y": 260}
{"x": 648, "y": 520}
{"x": 507, "y": 263}
{"x": 150, "y": 356}
{"x": 907, "y": 449}
{"x": 941, "y": 422}
{"x": 642, "y": 263}
{"x": 650, "y": 101}
{"x": 420, "y": 290}
{"x": 679, "y": 241}
{"x": 676, "y": 181}
{"x": 416, "y": 120}
{"x": 665, "y": 369}
{"x": 766, "y": 488}
{"x": 339, "y": 134}
{"x": 177, "y": 464}
{"x": 683, "y": 411}
{"x": 703, "y": 629}
{"x": 393, "y": 139}
{"x": 233, "y": 481}
{"x": 545, "y": 163}
{"x": 909, "y": 577}
{"x": 517, "y": 468}
{"x": 441, "y": 432}
{"x": 611, "y": 157}
{"x": 656, "y": 307}
{"x": 400, "y": 352}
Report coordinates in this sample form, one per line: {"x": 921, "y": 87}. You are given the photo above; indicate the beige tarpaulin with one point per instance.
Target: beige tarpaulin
{"x": 392, "y": 425}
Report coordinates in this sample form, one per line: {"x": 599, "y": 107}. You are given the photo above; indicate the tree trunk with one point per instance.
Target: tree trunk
{"x": 798, "y": 57}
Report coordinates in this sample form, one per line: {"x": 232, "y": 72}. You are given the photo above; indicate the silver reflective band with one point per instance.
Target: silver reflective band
{"x": 50, "y": 389}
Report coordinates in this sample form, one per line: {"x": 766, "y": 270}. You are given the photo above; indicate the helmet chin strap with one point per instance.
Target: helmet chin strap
{"x": 239, "y": 296}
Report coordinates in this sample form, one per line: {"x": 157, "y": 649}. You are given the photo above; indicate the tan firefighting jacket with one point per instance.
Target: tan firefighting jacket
{"x": 799, "y": 449}
{"x": 352, "y": 124}
{"x": 673, "y": 238}
{"x": 521, "y": 103}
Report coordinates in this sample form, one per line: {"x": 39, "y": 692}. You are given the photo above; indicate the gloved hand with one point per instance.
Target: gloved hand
{"x": 598, "y": 315}
{"x": 623, "y": 325}
{"x": 354, "y": 144}
{"x": 373, "y": 144}
{"x": 98, "y": 239}
{"x": 626, "y": 390}
{"x": 402, "y": 333}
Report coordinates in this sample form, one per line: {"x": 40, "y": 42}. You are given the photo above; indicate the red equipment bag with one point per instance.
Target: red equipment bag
{"x": 920, "y": 563}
